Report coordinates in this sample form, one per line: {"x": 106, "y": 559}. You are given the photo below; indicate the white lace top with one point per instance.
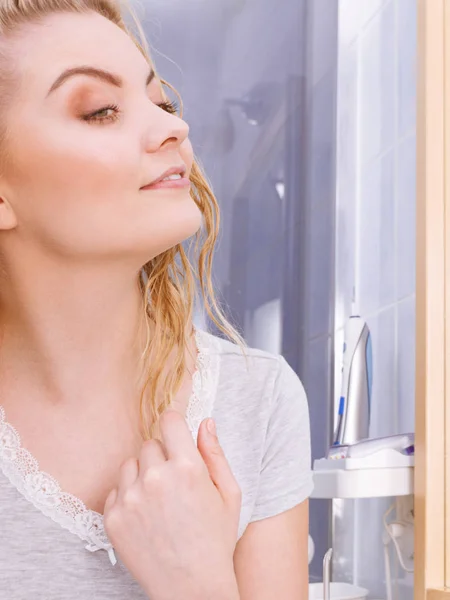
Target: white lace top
{"x": 262, "y": 420}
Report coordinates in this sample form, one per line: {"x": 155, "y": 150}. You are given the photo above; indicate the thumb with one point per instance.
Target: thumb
{"x": 217, "y": 464}
{"x": 110, "y": 500}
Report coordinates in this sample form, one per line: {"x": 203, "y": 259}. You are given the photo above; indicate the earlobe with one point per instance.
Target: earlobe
{"x": 8, "y": 219}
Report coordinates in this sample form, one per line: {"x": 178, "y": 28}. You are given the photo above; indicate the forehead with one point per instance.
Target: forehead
{"x": 63, "y": 40}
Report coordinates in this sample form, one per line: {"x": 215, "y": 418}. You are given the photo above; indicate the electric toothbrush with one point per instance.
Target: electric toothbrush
{"x": 356, "y": 386}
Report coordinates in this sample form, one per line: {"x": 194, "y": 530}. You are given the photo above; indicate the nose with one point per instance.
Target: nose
{"x": 164, "y": 130}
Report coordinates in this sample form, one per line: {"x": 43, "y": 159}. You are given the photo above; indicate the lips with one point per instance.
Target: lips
{"x": 180, "y": 170}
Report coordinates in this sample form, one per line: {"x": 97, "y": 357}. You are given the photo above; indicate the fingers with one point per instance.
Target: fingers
{"x": 176, "y": 437}
{"x": 218, "y": 466}
{"x": 110, "y": 500}
{"x": 176, "y": 442}
{"x": 151, "y": 455}
{"x": 128, "y": 475}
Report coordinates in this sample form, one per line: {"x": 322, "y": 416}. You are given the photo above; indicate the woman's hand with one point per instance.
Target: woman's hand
{"x": 174, "y": 517}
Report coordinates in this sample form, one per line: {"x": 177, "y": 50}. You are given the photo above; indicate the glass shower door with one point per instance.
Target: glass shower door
{"x": 258, "y": 80}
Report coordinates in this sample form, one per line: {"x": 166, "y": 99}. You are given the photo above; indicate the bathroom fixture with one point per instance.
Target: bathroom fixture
{"x": 328, "y": 590}
{"x": 400, "y": 533}
{"x": 404, "y": 443}
{"x": 258, "y": 104}
{"x": 311, "y": 549}
{"x": 356, "y": 384}
{"x": 369, "y": 469}
{"x": 357, "y": 466}
{"x": 338, "y": 591}
{"x": 327, "y": 574}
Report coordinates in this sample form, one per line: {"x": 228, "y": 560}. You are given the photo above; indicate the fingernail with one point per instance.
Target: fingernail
{"x": 211, "y": 426}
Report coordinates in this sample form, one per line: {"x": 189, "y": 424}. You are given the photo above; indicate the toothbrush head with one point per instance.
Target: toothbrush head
{"x": 337, "y": 452}
{"x": 409, "y": 451}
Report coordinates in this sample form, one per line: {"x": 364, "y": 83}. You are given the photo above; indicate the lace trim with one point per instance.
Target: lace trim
{"x": 44, "y": 492}
{"x": 204, "y": 382}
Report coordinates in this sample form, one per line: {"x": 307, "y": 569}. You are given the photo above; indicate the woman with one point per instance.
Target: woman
{"x": 114, "y": 481}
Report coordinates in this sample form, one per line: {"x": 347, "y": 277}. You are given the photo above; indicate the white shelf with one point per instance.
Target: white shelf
{"x": 380, "y": 475}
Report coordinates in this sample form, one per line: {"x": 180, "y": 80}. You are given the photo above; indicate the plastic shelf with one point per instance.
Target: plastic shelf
{"x": 381, "y": 475}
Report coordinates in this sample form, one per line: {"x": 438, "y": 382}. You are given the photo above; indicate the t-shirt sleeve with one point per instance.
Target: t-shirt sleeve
{"x": 286, "y": 476}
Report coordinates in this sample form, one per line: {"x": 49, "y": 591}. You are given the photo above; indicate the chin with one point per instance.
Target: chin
{"x": 176, "y": 226}
{"x": 185, "y": 225}
{"x": 186, "y": 219}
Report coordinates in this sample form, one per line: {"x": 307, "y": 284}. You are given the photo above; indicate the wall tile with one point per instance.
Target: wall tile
{"x": 406, "y": 217}
{"x": 406, "y": 364}
{"x": 354, "y": 16}
{"x": 375, "y": 245}
{"x": 376, "y": 237}
{"x": 377, "y": 114}
{"x": 407, "y": 66}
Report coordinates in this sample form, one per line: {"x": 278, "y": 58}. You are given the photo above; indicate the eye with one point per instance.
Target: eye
{"x": 170, "y": 107}
{"x": 103, "y": 115}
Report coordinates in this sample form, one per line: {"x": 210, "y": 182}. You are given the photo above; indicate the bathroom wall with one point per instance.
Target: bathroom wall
{"x": 375, "y": 242}
{"x": 258, "y": 79}
{"x": 303, "y": 237}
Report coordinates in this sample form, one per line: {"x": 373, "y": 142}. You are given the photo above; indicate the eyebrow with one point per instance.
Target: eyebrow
{"x": 95, "y": 73}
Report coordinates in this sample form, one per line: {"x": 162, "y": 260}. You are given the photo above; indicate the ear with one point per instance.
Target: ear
{"x": 8, "y": 219}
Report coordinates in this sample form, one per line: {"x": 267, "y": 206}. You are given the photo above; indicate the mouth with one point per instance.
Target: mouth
{"x": 173, "y": 177}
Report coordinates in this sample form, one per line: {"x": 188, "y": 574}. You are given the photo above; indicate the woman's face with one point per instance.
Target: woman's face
{"x": 81, "y": 152}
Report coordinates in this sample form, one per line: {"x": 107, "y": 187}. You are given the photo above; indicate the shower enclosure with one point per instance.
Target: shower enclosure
{"x": 258, "y": 81}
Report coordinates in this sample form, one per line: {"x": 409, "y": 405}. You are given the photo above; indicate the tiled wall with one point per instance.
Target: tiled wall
{"x": 375, "y": 245}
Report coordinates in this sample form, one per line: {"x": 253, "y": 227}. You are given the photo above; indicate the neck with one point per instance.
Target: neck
{"x": 70, "y": 336}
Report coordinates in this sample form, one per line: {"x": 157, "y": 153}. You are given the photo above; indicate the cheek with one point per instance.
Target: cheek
{"x": 78, "y": 191}
{"x": 61, "y": 170}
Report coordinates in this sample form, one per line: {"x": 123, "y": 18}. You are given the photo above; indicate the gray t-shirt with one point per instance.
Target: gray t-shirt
{"x": 261, "y": 413}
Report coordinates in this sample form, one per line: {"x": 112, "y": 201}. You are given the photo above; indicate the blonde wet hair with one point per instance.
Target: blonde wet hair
{"x": 169, "y": 281}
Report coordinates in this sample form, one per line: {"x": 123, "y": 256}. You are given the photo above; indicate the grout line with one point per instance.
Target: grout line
{"x": 358, "y": 170}
{"x": 408, "y": 135}
{"x": 375, "y": 14}
{"x": 337, "y": 198}
{"x": 367, "y": 24}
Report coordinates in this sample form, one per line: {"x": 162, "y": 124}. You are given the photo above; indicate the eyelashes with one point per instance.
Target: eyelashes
{"x": 101, "y": 116}
{"x": 170, "y": 107}
{"x": 111, "y": 112}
